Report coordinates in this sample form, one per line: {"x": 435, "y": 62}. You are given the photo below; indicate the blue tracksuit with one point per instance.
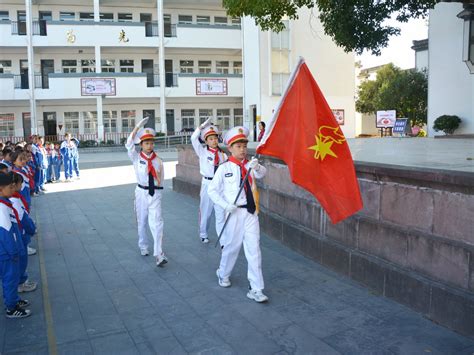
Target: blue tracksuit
{"x": 56, "y": 163}
{"x": 11, "y": 247}
{"x": 49, "y": 173}
{"x": 28, "y": 229}
{"x": 66, "y": 154}
{"x": 42, "y": 167}
{"x": 25, "y": 187}
{"x": 75, "y": 156}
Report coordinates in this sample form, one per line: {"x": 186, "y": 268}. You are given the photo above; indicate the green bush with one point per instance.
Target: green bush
{"x": 123, "y": 140}
{"x": 159, "y": 134}
{"x": 89, "y": 143}
{"x": 110, "y": 142}
{"x": 447, "y": 123}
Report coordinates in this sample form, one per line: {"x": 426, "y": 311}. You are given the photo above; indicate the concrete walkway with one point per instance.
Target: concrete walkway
{"x": 100, "y": 296}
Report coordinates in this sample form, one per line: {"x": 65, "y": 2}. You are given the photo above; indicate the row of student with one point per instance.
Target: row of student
{"x": 16, "y": 230}
{"x": 222, "y": 179}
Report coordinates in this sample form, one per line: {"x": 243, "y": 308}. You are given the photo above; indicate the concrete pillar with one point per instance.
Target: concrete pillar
{"x": 96, "y": 11}
{"x": 31, "y": 67}
{"x": 161, "y": 60}
{"x": 100, "y": 120}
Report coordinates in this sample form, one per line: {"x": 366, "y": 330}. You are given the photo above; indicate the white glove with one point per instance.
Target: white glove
{"x": 205, "y": 123}
{"x": 230, "y": 208}
{"x": 253, "y": 164}
{"x": 142, "y": 123}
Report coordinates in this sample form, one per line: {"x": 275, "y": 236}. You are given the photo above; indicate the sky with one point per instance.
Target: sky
{"x": 399, "y": 49}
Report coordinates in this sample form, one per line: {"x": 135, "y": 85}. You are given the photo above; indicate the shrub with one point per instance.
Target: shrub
{"x": 123, "y": 140}
{"x": 89, "y": 143}
{"x": 110, "y": 142}
{"x": 447, "y": 123}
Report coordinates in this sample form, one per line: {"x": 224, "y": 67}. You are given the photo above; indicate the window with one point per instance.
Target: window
{"x": 67, "y": 16}
{"x": 126, "y": 65}
{"x": 5, "y": 66}
{"x": 90, "y": 121}
{"x": 236, "y": 21}
{"x": 106, "y": 17}
{"x": 204, "y": 114}
{"x": 185, "y": 19}
{"x": 280, "y": 57}
{"x": 221, "y": 21}
{"x": 110, "y": 121}
{"x": 69, "y": 65}
{"x": 186, "y": 66}
{"x": 238, "y": 117}
{"x": 86, "y": 16}
{"x": 46, "y": 15}
{"x": 108, "y": 65}
{"x": 223, "y": 118}
{"x": 128, "y": 121}
{"x": 71, "y": 122}
{"x": 88, "y": 65}
{"x": 203, "y": 20}
{"x": 125, "y": 17}
{"x": 204, "y": 66}
{"x": 237, "y": 67}
{"x": 222, "y": 67}
{"x": 187, "y": 118}
{"x": 7, "y": 124}
{"x": 4, "y": 16}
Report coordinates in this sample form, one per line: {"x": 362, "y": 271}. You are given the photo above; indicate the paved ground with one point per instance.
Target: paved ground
{"x": 98, "y": 295}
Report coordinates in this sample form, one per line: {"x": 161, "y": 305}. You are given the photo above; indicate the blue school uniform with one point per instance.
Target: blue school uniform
{"x": 28, "y": 229}
{"x": 66, "y": 154}
{"x": 75, "y": 156}
{"x": 11, "y": 247}
{"x": 25, "y": 187}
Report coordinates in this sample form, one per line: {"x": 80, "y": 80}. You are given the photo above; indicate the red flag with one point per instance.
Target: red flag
{"x": 306, "y": 136}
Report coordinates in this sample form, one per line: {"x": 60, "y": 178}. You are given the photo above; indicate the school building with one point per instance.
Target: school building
{"x": 92, "y": 68}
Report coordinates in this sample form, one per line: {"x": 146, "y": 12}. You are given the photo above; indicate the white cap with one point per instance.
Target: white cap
{"x": 209, "y": 131}
{"x": 144, "y": 134}
{"x": 236, "y": 134}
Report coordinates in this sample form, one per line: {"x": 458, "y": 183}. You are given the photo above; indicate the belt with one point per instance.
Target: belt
{"x": 146, "y": 187}
{"x": 243, "y": 206}
{"x": 207, "y": 178}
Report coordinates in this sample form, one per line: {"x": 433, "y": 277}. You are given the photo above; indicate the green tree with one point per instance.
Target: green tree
{"x": 355, "y": 25}
{"x": 405, "y": 91}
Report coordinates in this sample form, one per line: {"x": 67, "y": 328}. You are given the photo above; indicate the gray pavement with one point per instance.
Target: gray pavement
{"x": 100, "y": 296}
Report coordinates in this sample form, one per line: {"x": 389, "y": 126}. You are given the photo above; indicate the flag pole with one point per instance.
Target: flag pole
{"x": 235, "y": 201}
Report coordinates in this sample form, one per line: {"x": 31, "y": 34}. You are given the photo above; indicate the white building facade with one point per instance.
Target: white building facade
{"x": 451, "y": 65}
{"x": 270, "y": 57}
{"x": 203, "y": 67}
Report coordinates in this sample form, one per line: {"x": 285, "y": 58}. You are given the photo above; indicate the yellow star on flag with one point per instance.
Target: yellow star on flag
{"x": 322, "y": 148}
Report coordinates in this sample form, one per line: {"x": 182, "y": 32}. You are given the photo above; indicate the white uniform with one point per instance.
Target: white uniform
{"x": 147, "y": 208}
{"x": 206, "y": 168}
{"x": 242, "y": 226}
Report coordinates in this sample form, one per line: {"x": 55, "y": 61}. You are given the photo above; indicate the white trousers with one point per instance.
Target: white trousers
{"x": 242, "y": 228}
{"x": 205, "y": 211}
{"x": 148, "y": 209}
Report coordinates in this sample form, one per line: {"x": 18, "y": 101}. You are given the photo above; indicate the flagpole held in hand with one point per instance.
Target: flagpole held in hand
{"x": 235, "y": 201}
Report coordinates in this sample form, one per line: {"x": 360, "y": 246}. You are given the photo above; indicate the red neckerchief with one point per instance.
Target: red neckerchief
{"x": 23, "y": 200}
{"x": 151, "y": 168}
{"x": 216, "y": 155}
{"x": 9, "y": 204}
{"x": 243, "y": 169}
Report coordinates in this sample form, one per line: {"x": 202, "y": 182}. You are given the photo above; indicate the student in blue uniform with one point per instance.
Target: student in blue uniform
{"x": 56, "y": 160}
{"x": 75, "y": 156}
{"x": 66, "y": 154}
{"x": 27, "y": 229}
{"x": 7, "y": 156}
{"x": 11, "y": 247}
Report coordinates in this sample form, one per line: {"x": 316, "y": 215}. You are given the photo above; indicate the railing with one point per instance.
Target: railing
{"x": 113, "y": 138}
{"x": 151, "y": 29}
{"x": 39, "y": 28}
{"x": 13, "y": 139}
{"x": 170, "y": 141}
{"x": 21, "y": 81}
{"x": 171, "y": 80}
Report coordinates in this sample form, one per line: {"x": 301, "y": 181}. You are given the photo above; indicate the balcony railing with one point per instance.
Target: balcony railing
{"x": 21, "y": 81}
{"x": 153, "y": 80}
{"x": 151, "y": 29}
{"x": 39, "y": 28}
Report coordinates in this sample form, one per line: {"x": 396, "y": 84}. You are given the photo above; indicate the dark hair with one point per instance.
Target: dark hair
{"x": 6, "y": 178}
{"x": 7, "y": 151}
{"x": 263, "y": 124}
{"x": 17, "y": 178}
{"x": 16, "y": 154}
{"x": 3, "y": 166}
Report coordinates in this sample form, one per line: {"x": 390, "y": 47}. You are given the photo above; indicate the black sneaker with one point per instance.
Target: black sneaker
{"x": 17, "y": 312}
{"x": 23, "y": 303}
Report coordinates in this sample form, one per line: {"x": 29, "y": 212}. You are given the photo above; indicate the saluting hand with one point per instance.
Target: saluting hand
{"x": 142, "y": 123}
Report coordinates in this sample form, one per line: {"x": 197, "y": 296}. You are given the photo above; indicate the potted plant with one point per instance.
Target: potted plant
{"x": 447, "y": 123}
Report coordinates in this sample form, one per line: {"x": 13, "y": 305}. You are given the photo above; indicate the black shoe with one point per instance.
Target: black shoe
{"x": 17, "y": 312}
{"x": 23, "y": 303}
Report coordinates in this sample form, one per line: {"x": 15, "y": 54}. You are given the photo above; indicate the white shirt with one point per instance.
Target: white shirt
{"x": 141, "y": 165}
{"x": 206, "y": 157}
{"x": 226, "y": 183}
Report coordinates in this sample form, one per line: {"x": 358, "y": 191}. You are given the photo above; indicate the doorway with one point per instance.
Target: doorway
{"x": 26, "y": 117}
{"x": 170, "y": 121}
{"x": 168, "y": 73}
{"x": 253, "y": 111}
{"x": 49, "y": 122}
{"x": 151, "y": 118}
{"x": 47, "y": 67}
{"x": 44, "y": 16}
{"x": 24, "y": 74}
{"x": 21, "y": 21}
{"x": 148, "y": 67}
